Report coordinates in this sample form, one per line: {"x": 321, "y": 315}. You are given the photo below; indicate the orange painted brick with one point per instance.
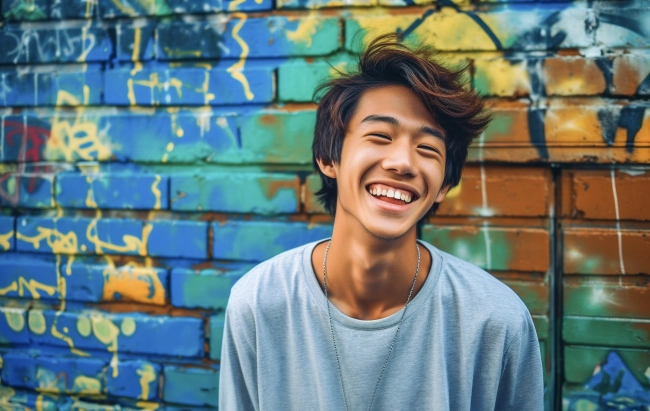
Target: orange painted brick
{"x": 568, "y": 76}
{"x": 500, "y": 191}
{"x": 628, "y": 73}
{"x": 597, "y": 194}
{"x": 606, "y": 251}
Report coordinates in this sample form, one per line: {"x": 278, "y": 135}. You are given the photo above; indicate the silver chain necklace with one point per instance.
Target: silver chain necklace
{"x": 392, "y": 344}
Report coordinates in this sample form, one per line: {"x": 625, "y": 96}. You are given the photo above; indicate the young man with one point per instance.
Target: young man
{"x": 372, "y": 319}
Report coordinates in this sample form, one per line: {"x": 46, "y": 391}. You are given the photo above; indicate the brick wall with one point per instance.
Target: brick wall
{"x": 152, "y": 151}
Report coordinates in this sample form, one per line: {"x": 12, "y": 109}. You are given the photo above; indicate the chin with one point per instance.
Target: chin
{"x": 387, "y": 234}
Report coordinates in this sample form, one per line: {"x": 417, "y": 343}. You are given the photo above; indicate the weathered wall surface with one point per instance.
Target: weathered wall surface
{"x": 152, "y": 151}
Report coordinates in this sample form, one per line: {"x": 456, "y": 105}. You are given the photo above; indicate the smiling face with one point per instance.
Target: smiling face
{"x": 392, "y": 163}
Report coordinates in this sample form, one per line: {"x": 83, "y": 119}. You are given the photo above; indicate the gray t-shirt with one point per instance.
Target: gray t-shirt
{"x": 467, "y": 343}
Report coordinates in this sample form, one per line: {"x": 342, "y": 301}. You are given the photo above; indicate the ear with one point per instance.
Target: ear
{"x": 442, "y": 193}
{"x": 326, "y": 167}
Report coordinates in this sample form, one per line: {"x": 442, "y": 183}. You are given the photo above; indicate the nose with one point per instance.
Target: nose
{"x": 399, "y": 158}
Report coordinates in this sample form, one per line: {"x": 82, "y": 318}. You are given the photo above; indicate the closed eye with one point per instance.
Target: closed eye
{"x": 429, "y": 148}
{"x": 381, "y": 136}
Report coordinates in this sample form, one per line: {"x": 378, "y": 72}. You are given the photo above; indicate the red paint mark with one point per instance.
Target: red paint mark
{"x": 30, "y": 140}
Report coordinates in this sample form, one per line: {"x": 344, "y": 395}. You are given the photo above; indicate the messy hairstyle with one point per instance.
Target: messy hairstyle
{"x": 386, "y": 61}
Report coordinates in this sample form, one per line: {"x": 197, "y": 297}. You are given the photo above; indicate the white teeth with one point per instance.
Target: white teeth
{"x": 392, "y": 193}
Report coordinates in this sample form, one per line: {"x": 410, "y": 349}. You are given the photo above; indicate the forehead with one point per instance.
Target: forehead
{"x": 395, "y": 101}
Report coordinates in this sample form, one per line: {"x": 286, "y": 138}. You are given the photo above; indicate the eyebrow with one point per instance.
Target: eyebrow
{"x": 392, "y": 120}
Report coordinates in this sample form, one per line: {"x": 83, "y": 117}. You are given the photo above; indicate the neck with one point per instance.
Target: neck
{"x": 368, "y": 277}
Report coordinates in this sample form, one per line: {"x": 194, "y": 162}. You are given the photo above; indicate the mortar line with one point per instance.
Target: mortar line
{"x": 556, "y": 284}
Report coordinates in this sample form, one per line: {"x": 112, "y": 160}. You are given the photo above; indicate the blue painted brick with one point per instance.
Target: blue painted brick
{"x": 29, "y": 46}
{"x": 54, "y": 374}
{"x": 7, "y": 233}
{"x": 191, "y": 385}
{"x": 132, "y": 333}
{"x": 18, "y": 369}
{"x": 22, "y": 400}
{"x": 33, "y": 10}
{"x": 25, "y": 275}
{"x": 70, "y": 375}
{"x": 175, "y": 136}
{"x": 13, "y": 326}
{"x": 155, "y": 85}
{"x": 125, "y": 8}
{"x": 45, "y": 89}
{"x": 184, "y": 136}
{"x": 271, "y": 36}
{"x": 28, "y": 190}
{"x": 94, "y": 283}
{"x": 217, "y": 323}
{"x": 176, "y": 238}
{"x": 68, "y": 235}
{"x": 129, "y": 191}
{"x": 135, "y": 379}
{"x": 202, "y": 288}
{"x": 237, "y": 192}
{"x": 260, "y": 240}
{"x": 128, "y": 34}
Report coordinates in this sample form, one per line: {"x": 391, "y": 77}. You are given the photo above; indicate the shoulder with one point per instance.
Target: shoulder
{"x": 479, "y": 294}
{"x": 271, "y": 280}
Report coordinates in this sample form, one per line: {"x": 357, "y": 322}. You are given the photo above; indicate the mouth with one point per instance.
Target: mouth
{"x": 391, "y": 195}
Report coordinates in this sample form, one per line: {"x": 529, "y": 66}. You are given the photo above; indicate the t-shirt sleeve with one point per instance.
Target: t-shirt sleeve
{"x": 522, "y": 384}
{"x": 238, "y": 371}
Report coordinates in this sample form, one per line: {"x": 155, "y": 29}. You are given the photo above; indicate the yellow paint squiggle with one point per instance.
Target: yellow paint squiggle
{"x": 4, "y": 240}
{"x": 236, "y": 69}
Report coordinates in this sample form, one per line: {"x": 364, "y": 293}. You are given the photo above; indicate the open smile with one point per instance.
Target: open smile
{"x": 392, "y": 195}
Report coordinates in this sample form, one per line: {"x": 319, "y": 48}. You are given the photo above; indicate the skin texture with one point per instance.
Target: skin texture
{"x": 391, "y": 139}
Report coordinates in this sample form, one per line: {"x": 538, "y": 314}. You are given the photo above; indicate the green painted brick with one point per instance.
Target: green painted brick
{"x": 541, "y": 326}
{"x": 606, "y": 300}
{"x": 606, "y": 332}
{"x": 278, "y": 136}
{"x": 580, "y": 362}
{"x": 534, "y": 295}
{"x": 236, "y": 192}
{"x": 298, "y": 79}
{"x": 217, "y": 323}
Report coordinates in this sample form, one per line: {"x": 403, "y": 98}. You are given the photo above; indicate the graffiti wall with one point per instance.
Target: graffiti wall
{"x": 151, "y": 152}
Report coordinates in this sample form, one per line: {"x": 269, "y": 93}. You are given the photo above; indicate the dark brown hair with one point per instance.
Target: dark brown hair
{"x": 386, "y": 61}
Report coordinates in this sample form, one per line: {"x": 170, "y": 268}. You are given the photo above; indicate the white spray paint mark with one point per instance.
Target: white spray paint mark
{"x": 618, "y": 223}
{"x": 488, "y": 245}
{"x": 484, "y": 208}
{"x": 36, "y": 89}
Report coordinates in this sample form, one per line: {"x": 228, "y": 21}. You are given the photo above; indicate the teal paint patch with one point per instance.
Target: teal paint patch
{"x": 217, "y": 324}
{"x": 274, "y": 136}
{"x": 192, "y": 386}
{"x": 236, "y": 192}
{"x": 209, "y": 289}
